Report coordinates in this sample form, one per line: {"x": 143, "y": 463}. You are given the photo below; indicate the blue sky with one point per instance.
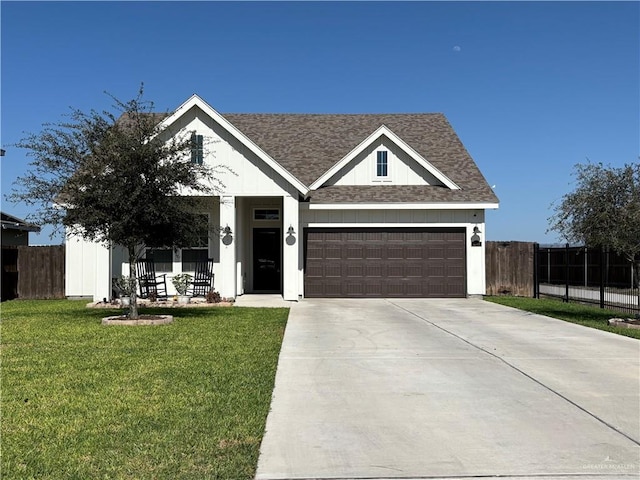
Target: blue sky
{"x": 530, "y": 88}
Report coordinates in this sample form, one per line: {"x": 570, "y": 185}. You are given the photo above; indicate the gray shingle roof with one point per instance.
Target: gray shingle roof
{"x": 308, "y": 145}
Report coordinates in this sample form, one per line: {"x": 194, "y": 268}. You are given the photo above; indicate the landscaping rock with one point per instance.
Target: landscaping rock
{"x": 144, "y": 320}
{"x": 624, "y": 322}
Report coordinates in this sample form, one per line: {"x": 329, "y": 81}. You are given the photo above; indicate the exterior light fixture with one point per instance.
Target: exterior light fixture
{"x": 227, "y": 235}
{"x": 290, "y": 240}
{"x": 475, "y": 238}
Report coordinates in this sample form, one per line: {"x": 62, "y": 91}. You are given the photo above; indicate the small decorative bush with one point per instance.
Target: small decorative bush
{"x": 124, "y": 285}
{"x": 181, "y": 282}
{"x": 213, "y": 297}
{"x": 153, "y": 296}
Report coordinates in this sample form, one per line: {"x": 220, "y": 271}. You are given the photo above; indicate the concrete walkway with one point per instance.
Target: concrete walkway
{"x": 416, "y": 389}
{"x": 262, "y": 301}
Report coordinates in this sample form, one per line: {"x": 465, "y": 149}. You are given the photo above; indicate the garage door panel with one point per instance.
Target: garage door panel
{"x": 413, "y": 270}
{"x": 315, "y": 270}
{"x": 353, "y": 289}
{"x": 395, "y": 288}
{"x": 373, "y": 253}
{"x": 354, "y": 270}
{"x": 373, "y": 271}
{"x": 378, "y": 262}
{"x": 415, "y": 289}
{"x": 395, "y": 270}
{"x": 374, "y": 289}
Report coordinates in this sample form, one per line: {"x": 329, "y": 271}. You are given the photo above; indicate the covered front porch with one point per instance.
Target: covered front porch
{"x": 253, "y": 241}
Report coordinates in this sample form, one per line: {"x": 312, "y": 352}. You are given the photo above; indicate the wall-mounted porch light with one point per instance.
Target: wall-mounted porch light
{"x": 227, "y": 235}
{"x": 475, "y": 238}
{"x": 291, "y": 240}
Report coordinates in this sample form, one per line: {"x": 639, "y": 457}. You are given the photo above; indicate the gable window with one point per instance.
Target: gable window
{"x": 382, "y": 167}
{"x": 197, "y": 149}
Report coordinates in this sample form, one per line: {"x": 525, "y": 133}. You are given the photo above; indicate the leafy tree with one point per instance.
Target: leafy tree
{"x": 116, "y": 177}
{"x": 603, "y": 210}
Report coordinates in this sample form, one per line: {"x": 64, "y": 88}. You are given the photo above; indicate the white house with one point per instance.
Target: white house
{"x": 375, "y": 205}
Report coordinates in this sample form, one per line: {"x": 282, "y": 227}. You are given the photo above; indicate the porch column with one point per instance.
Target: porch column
{"x": 476, "y": 274}
{"x": 227, "y": 282}
{"x": 290, "y": 218}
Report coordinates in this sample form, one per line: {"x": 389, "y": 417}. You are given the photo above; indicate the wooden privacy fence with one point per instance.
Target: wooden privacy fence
{"x": 510, "y": 268}
{"x": 41, "y": 272}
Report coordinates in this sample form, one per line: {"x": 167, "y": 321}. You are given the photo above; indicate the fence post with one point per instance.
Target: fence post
{"x": 586, "y": 266}
{"x": 536, "y": 266}
{"x": 566, "y": 274}
{"x": 602, "y": 276}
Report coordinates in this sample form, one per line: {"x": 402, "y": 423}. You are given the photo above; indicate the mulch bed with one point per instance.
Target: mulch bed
{"x": 142, "y": 304}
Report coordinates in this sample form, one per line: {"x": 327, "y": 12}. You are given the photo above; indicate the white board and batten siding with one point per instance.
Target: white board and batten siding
{"x": 242, "y": 172}
{"x": 87, "y": 269}
{"x": 402, "y": 169}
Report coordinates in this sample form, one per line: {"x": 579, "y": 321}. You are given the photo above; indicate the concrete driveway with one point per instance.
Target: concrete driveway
{"x": 415, "y": 389}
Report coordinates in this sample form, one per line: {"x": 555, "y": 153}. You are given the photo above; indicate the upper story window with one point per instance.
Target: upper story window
{"x": 382, "y": 166}
{"x": 197, "y": 149}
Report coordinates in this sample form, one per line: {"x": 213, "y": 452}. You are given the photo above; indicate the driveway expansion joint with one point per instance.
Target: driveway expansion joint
{"x": 503, "y": 360}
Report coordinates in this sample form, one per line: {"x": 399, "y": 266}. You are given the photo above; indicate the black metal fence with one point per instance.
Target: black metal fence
{"x": 586, "y": 275}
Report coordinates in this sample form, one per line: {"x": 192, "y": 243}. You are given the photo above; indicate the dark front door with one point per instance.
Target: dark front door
{"x": 266, "y": 259}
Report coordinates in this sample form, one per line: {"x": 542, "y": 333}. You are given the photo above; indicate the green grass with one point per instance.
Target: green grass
{"x": 571, "y": 312}
{"x": 184, "y": 401}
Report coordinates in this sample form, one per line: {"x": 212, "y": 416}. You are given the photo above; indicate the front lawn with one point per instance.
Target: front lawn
{"x": 183, "y": 401}
{"x": 571, "y": 312}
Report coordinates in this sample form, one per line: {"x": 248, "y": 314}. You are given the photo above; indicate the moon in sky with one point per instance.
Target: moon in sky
{"x": 457, "y": 48}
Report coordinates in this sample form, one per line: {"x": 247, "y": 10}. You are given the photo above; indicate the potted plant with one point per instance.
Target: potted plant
{"x": 181, "y": 283}
{"x": 124, "y": 286}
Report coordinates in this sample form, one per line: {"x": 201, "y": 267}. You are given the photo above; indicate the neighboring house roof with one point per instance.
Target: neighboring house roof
{"x": 308, "y": 145}
{"x": 9, "y": 222}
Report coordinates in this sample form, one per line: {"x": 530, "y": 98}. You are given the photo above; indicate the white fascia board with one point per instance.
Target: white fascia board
{"x": 402, "y": 206}
{"x": 195, "y": 100}
{"x": 388, "y": 225}
{"x": 384, "y": 130}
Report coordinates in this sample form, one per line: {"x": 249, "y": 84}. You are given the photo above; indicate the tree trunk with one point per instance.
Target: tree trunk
{"x": 133, "y": 308}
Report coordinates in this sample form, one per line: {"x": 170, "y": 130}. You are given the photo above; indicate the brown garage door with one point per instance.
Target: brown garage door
{"x": 379, "y": 262}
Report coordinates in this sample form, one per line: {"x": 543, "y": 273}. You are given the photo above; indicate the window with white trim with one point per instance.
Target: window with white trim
{"x": 200, "y": 251}
{"x": 197, "y": 148}
{"x": 162, "y": 259}
{"x": 382, "y": 165}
